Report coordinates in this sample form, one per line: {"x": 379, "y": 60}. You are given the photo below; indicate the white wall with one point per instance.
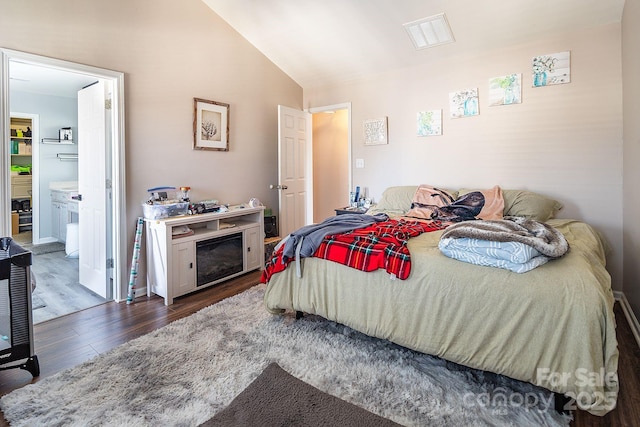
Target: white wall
{"x": 564, "y": 141}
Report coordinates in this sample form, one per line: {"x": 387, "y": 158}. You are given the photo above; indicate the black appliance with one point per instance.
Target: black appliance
{"x": 271, "y": 226}
{"x": 219, "y": 258}
{"x": 16, "y": 321}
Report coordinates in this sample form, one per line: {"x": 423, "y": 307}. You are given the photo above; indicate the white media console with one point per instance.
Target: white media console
{"x": 221, "y": 246}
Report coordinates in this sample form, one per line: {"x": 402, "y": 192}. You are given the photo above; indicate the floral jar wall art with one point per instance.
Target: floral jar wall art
{"x": 505, "y": 90}
{"x": 464, "y": 103}
{"x": 551, "y": 69}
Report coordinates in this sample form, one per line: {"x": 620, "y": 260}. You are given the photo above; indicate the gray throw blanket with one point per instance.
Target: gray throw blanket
{"x": 304, "y": 241}
{"x": 540, "y": 236}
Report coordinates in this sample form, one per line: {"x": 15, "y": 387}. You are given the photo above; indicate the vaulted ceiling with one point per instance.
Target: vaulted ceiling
{"x": 317, "y": 42}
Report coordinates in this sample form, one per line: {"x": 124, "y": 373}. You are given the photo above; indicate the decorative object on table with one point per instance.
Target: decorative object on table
{"x": 184, "y": 193}
{"x": 430, "y": 123}
{"x": 505, "y": 90}
{"x": 204, "y": 206}
{"x": 159, "y": 194}
{"x": 354, "y": 198}
{"x": 463, "y": 103}
{"x": 66, "y": 134}
{"x": 210, "y": 125}
{"x": 551, "y": 69}
{"x": 163, "y": 202}
{"x": 375, "y": 131}
{"x": 255, "y": 202}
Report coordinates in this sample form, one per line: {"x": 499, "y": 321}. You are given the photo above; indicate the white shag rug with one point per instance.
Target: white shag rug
{"x": 185, "y": 372}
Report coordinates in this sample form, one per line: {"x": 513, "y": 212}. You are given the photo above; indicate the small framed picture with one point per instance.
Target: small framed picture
{"x": 66, "y": 134}
{"x": 210, "y": 125}
{"x": 375, "y": 131}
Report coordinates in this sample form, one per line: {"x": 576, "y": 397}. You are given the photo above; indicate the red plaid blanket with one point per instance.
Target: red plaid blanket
{"x": 381, "y": 245}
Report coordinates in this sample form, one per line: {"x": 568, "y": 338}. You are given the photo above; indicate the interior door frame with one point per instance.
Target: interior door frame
{"x": 117, "y": 165}
{"x": 334, "y": 107}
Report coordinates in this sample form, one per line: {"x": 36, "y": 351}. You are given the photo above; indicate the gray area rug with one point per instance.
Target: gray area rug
{"x": 185, "y": 373}
{"x": 277, "y": 398}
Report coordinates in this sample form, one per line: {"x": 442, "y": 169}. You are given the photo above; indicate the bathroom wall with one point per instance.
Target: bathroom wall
{"x": 54, "y": 113}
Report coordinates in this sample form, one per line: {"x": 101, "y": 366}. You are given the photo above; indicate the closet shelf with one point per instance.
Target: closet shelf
{"x": 67, "y": 156}
{"x": 57, "y": 141}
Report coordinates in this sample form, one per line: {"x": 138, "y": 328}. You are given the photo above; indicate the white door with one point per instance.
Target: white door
{"x": 92, "y": 188}
{"x": 294, "y": 169}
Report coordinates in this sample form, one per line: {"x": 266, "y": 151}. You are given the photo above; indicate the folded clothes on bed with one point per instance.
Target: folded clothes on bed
{"x": 513, "y": 256}
{"x": 515, "y": 243}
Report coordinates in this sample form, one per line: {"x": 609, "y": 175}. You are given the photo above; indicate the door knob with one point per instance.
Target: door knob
{"x": 278, "y": 187}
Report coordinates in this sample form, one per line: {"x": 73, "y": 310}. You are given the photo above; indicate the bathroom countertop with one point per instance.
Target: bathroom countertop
{"x": 71, "y": 186}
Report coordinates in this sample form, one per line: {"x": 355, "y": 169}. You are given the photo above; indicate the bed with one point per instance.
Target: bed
{"x": 552, "y": 326}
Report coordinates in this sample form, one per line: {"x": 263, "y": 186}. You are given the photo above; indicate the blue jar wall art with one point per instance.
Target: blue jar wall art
{"x": 471, "y": 107}
{"x": 464, "y": 103}
{"x": 540, "y": 79}
{"x": 509, "y": 96}
{"x": 541, "y": 67}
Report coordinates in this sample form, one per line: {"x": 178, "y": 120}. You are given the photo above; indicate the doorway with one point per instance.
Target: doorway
{"x": 24, "y": 172}
{"x": 115, "y": 237}
{"x": 306, "y": 166}
{"x": 331, "y": 152}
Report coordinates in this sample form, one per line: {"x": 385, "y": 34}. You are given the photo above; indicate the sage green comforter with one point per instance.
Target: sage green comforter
{"x": 552, "y": 326}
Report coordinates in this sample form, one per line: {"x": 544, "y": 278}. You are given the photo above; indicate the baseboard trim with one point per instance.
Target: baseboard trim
{"x": 138, "y": 293}
{"x": 629, "y": 314}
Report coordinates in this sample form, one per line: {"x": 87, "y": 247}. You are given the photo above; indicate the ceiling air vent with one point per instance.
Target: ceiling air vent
{"x": 429, "y": 32}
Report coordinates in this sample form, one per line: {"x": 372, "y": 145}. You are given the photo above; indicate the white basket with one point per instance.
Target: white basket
{"x": 164, "y": 211}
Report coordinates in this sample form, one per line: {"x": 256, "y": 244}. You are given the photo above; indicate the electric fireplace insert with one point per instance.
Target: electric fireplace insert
{"x": 219, "y": 258}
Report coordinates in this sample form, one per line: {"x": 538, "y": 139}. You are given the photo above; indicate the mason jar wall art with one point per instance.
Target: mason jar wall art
{"x": 551, "y": 69}
{"x": 505, "y": 90}
{"x": 463, "y": 103}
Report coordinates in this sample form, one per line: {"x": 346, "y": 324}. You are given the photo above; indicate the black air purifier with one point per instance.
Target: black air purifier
{"x": 16, "y": 319}
{"x": 270, "y": 226}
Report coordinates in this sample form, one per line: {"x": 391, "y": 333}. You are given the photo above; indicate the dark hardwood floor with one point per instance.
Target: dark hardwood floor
{"x": 72, "y": 339}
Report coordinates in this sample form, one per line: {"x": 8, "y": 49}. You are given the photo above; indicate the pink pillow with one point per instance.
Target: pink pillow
{"x": 427, "y": 200}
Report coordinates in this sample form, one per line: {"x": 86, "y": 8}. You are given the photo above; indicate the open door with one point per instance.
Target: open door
{"x": 92, "y": 189}
{"x": 294, "y": 169}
